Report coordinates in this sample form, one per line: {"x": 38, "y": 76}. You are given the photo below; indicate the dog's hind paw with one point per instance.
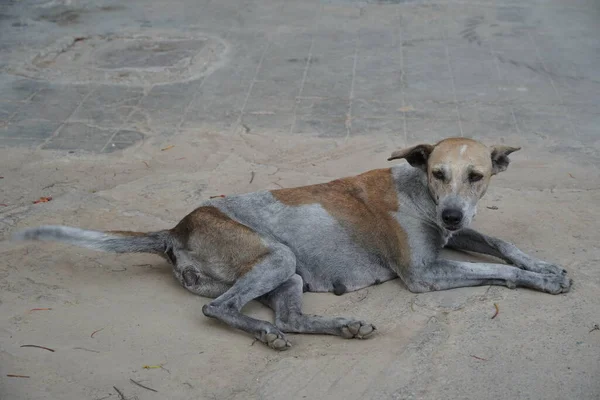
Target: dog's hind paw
{"x": 275, "y": 340}
{"x": 358, "y": 330}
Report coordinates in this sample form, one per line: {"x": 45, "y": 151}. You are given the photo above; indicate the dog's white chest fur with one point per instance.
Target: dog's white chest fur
{"x": 446, "y": 237}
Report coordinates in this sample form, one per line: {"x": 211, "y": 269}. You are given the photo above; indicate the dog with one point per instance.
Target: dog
{"x": 337, "y": 237}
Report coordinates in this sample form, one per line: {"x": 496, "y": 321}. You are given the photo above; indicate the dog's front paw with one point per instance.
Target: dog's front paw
{"x": 541, "y": 267}
{"x": 556, "y": 284}
{"x": 358, "y": 330}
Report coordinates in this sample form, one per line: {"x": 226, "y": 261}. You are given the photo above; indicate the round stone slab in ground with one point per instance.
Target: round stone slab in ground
{"x": 129, "y": 59}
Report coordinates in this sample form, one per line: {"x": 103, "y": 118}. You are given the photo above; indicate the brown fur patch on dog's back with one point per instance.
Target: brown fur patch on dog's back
{"x": 218, "y": 240}
{"x": 362, "y": 204}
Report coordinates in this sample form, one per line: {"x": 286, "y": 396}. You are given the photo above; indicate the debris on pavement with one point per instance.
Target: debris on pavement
{"x": 169, "y": 147}
{"x": 142, "y": 386}
{"x": 479, "y": 358}
{"x": 492, "y": 207}
{"x": 17, "y": 376}
{"x": 596, "y": 327}
{"x": 40, "y": 309}
{"x": 497, "y": 311}
{"x": 160, "y": 366}
{"x": 37, "y": 347}
{"x": 93, "y": 333}
{"x": 83, "y": 348}
{"x": 42, "y": 200}
{"x": 121, "y": 395}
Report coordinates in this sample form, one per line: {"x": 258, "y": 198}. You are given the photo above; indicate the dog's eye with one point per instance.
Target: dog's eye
{"x": 474, "y": 177}
{"x": 438, "y": 174}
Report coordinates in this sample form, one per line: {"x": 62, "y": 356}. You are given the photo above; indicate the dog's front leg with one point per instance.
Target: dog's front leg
{"x": 471, "y": 240}
{"x": 446, "y": 274}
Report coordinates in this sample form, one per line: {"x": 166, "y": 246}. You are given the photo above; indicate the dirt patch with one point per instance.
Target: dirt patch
{"x": 157, "y": 57}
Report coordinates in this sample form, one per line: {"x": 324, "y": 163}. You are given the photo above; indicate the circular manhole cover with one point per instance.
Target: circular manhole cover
{"x": 134, "y": 59}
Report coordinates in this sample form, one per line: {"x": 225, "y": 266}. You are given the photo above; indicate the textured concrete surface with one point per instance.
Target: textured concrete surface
{"x": 129, "y": 114}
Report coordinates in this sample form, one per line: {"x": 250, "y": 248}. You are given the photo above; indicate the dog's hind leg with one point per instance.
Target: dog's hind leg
{"x": 198, "y": 283}
{"x": 216, "y": 256}
{"x": 267, "y": 274}
{"x": 286, "y": 301}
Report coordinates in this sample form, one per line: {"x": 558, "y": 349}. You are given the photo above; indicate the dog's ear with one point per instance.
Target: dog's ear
{"x": 416, "y": 156}
{"x": 500, "y": 158}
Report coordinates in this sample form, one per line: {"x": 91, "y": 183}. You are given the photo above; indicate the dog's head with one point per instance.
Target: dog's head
{"x": 458, "y": 173}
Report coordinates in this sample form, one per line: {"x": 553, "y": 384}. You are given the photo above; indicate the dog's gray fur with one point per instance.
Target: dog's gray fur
{"x": 308, "y": 249}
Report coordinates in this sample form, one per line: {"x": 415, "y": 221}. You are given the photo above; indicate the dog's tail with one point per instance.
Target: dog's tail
{"x": 110, "y": 241}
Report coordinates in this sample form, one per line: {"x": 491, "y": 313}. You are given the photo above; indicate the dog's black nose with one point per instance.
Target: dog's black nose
{"x": 452, "y": 217}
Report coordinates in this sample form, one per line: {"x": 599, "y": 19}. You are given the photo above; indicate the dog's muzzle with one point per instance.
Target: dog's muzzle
{"x": 452, "y": 218}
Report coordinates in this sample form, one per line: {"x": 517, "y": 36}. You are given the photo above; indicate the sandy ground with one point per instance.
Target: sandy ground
{"x": 435, "y": 345}
{"x": 303, "y": 92}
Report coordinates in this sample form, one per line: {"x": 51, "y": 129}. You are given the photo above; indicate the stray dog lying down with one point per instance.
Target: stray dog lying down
{"x": 335, "y": 237}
